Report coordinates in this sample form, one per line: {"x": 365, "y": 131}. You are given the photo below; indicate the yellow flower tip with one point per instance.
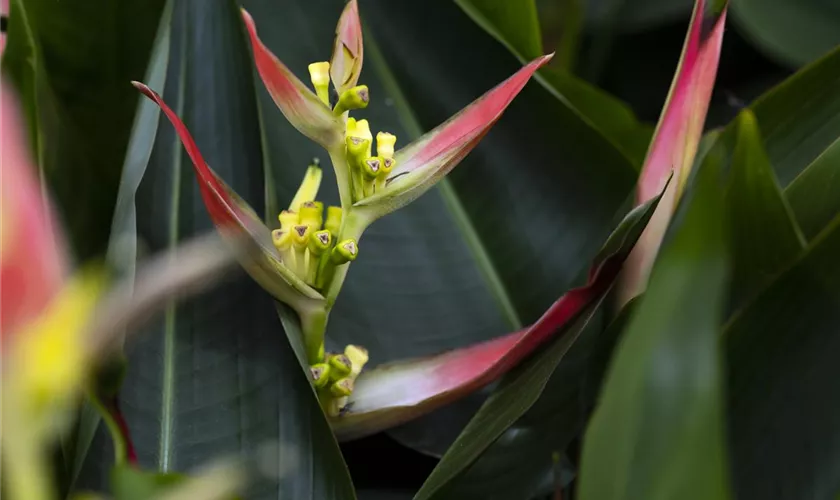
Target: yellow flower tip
{"x": 311, "y": 215}
{"x": 385, "y": 144}
{"x": 319, "y": 73}
{"x": 281, "y": 239}
{"x": 363, "y": 130}
{"x": 308, "y": 189}
{"x": 50, "y": 358}
{"x": 300, "y": 235}
{"x": 288, "y": 219}
{"x": 358, "y": 357}
{"x": 342, "y": 387}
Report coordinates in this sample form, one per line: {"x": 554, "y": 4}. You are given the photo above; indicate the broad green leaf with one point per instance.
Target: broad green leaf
{"x": 793, "y": 33}
{"x": 800, "y": 118}
{"x": 514, "y": 23}
{"x": 463, "y": 263}
{"x": 636, "y": 15}
{"x": 122, "y": 254}
{"x": 782, "y": 373}
{"x": 814, "y": 195}
{"x": 658, "y": 429}
{"x": 71, "y": 60}
{"x": 587, "y": 105}
{"x": 215, "y": 375}
{"x": 763, "y": 234}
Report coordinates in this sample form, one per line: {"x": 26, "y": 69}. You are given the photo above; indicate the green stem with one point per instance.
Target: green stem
{"x": 120, "y": 454}
{"x": 313, "y": 322}
{"x": 353, "y": 224}
{"x": 342, "y": 176}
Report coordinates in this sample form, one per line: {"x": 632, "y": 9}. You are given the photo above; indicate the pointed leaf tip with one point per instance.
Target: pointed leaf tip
{"x": 299, "y": 105}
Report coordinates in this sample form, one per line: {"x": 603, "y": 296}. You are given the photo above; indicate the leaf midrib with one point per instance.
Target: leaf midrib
{"x": 167, "y": 431}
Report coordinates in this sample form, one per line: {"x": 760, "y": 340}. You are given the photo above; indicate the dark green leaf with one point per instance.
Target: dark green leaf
{"x": 800, "y": 118}
{"x": 586, "y": 105}
{"x": 72, "y": 62}
{"x": 658, "y": 429}
{"x": 215, "y": 376}
{"x": 763, "y": 234}
{"x": 815, "y": 194}
{"x": 512, "y": 22}
{"x": 783, "y": 372}
{"x": 637, "y": 15}
{"x": 794, "y": 33}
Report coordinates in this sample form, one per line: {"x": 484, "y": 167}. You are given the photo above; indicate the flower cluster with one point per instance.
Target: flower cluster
{"x": 306, "y": 261}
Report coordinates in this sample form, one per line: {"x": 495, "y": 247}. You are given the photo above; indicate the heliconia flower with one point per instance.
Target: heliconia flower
{"x": 677, "y": 137}
{"x": 393, "y": 394}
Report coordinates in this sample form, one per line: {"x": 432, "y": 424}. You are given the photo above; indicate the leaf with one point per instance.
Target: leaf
{"x": 516, "y": 26}
{"x": 658, "y": 429}
{"x": 65, "y": 58}
{"x": 815, "y": 194}
{"x": 216, "y": 375}
{"x": 677, "y": 137}
{"x": 793, "y": 33}
{"x": 800, "y": 118}
{"x": 764, "y": 235}
{"x": 521, "y": 388}
{"x": 781, "y": 365}
{"x": 639, "y": 15}
{"x": 461, "y": 264}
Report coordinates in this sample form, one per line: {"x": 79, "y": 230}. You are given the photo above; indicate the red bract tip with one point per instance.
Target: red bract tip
{"x": 298, "y": 104}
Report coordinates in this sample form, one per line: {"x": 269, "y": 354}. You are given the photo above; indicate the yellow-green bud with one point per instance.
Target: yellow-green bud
{"x": 385, "y": 144}
{"x": 355, "y": 98}
{"x": 371, "y": 167}
{"x": 357, "y": 148}
{"x": 320, "y": 242}
{"x": 340, "y": 366}
{"x": 308, "y": 189}
{"x": 333, "y": 222}
{"x": 281, "y": 239}
{"x": 288, "y": 219}
{"x": 319, "y": 73}
{"x": 320, "y": 374}
{"x": 342, "y": 388}
{"x": 311, "y": 215}
{"x": 300, "y": 236}
{"x": 358, "y": 356}
{"x": 344, "y": 252}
